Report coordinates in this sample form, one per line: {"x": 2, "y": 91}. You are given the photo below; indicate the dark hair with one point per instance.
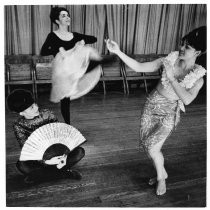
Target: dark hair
{"x": 55, "y": 12}
{"x": 197, "y": 39}
{"x": 55, "y": 150}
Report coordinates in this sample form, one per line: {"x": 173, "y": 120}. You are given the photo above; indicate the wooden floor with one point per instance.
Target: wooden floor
{"x": 115, "y": 172}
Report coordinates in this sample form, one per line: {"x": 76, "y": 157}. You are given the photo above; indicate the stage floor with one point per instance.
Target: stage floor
{"x": 115, "y": 171}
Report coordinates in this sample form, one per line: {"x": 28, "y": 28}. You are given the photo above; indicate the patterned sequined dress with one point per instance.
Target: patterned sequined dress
{"x": 158, "y": 119}
{"x": 161, "y": 115}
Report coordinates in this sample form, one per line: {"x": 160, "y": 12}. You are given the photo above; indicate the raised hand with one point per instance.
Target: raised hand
{"x": 112, "y": 46}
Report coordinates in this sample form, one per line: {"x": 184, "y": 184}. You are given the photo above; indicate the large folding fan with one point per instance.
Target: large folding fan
{"x": 47, "y": 135}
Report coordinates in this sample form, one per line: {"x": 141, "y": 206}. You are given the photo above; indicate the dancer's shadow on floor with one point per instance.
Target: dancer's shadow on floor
{"x": 141, "y": 173}
{"x": 18, "y": 183}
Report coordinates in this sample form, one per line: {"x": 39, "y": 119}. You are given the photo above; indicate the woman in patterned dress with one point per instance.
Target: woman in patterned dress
{"x": 180, "y": 83}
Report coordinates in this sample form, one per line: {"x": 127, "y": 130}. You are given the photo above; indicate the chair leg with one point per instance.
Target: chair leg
{"x": 124, "y": 87}
{"x": 127, "y": 87}
{"x": 125, "y": 82}
{"x": 8, "y": 89}
{"x": 145, "y": 85}
{"x": 35, "y": 90}
{"x": 104, "y": 86}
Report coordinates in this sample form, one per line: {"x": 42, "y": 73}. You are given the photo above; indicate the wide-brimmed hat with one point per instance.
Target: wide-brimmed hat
{"x": 19, "y": 100}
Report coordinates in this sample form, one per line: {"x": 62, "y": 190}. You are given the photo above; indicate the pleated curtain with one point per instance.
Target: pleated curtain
{"x": 137, "y": 28}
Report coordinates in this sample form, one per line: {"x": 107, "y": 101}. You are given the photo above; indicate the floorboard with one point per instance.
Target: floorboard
{"x": 115, "y": 170}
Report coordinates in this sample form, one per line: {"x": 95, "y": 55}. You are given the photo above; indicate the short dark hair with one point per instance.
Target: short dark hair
{"x": 55, "y": 12}
{"x": 197, "y": 39}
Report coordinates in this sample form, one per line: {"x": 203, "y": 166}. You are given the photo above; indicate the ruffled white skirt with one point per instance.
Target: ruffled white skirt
{"x": 69, "y": 77}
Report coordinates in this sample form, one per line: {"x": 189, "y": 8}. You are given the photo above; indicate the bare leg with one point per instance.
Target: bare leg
{"x": 154, "y": 131}
{"x": 153, "y": 180}
{"x": 158, "y": 161}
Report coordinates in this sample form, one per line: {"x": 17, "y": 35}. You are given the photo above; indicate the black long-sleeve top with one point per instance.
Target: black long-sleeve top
{"x": 53, "y": 43}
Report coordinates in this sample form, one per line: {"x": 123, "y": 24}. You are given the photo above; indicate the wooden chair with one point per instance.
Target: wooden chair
{"x": 42, "y": 70}
{"x": 132, "y": 75}
{"x": 112, "y": 71}
{"x": 19, "y": 71}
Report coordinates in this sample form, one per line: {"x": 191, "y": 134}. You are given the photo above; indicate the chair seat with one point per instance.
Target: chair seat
{"x": 43, "y": 71}
{"x": 19, "y": 72}
{"x": 21, "y": 82}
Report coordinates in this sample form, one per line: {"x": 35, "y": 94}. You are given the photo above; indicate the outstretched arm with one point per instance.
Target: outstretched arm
{"x": 132, "y": 63}
{"x": 87, "y": 38}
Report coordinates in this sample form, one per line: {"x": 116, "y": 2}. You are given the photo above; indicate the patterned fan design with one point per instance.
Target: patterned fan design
{"x": 47, "y": 135}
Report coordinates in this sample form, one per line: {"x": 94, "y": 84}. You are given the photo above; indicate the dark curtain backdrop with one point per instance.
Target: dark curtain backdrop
{"x": 140, "y": 29}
